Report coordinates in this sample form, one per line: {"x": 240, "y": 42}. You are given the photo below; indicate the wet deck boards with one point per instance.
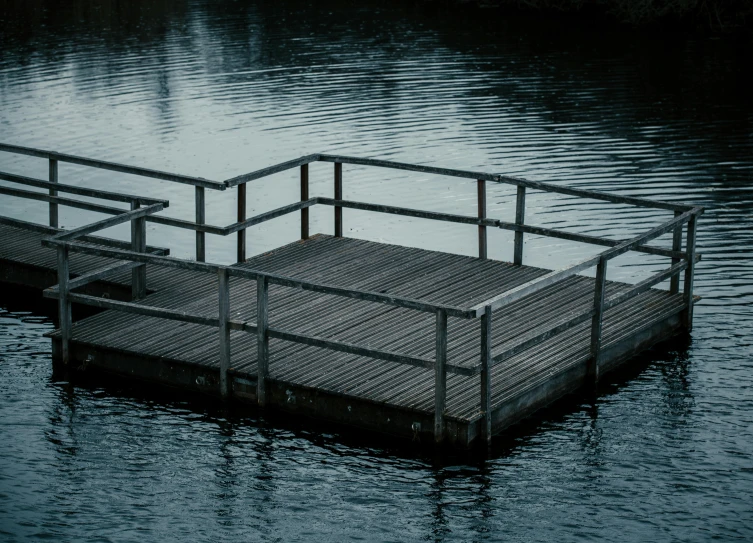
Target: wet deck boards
{"x": 366, "y": 392}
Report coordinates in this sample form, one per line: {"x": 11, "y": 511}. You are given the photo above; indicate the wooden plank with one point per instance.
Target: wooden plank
{"x": 482, "y": 244}
{"x": 304, "y": 197}
{"x": 223, "y": 280}
{"x": 486, "y": 377}
{"x": 200, "y": 219}
{"x": 241, "y": 249}
{"x": 262, "y": 328}
{"x": 520, "y": 211}
{"x": 440, "y": 377}
{"x": 338, "y": 197}
{"x": 53, "y": 176}
{"x": 596, "y": 321}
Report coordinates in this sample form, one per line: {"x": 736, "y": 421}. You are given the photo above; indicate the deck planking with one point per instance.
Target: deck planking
{"x": 424, "y": 275}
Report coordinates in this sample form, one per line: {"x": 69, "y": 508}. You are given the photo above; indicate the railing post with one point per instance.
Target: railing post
{"x": 596, "y": 321}
{"x": 338, "y": 196}
{"x": 687, "y": 315}
{"x": 200, "y": 219}
{"x": 481, "y": 215}
{"x": 224, "y": 318}
{"x": 64, "y": 305}
{"x": 262, "y": 339}
{"x": 520, "y": 212}
{"x": 486, "y": 376}
{"x": 304, "y": 197}
{"x": 53, "y": 192}
{"x": 674, "y": 283}
{"x": 440, "y": 376}
{"x": 241, "y": 217}
{"x": 138, "y": 245}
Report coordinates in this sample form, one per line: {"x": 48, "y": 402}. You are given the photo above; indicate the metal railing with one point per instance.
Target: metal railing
{"x": 145, "y": 209}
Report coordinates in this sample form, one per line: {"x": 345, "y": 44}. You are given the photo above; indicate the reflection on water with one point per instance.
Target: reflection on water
{"x": 219, "y": 88}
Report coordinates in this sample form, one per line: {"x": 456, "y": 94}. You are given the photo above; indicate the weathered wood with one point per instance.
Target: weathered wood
{"x": 597, "y": 320}
{"x": 482, "y": 244}
{"x": 268, "y": 215}
{"x": 189, "y": 225}
{"x": 124, "y": 216}
{"x": 486, "y": 375}
{"x": 262, "y": 339}
{"x": 687, "y": 315}
{"x": 304, "y": 197}
{"x": 68, "y": 202}
{"x": 241, "y": 252}
{"x": 674, "y": 285}
{"x": 223, "y": 284}
{"x": 643, "y": 286}
{"x": 138, "y": 244}
{"x": 654, "y": 233}
{"x": 64, "y": 304}
{"x": 520, "y": 211}
{"x": 53, "y": 166}
{"x": 264, "y": 172}
{"x": 104, "y": 165}
{"x": 440, "y": 377}
{"x": 200, "y": 219}
{"x": 338, "y": 196}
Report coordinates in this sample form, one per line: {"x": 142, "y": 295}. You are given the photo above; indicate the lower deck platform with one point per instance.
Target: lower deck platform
{"x": 375, "y": 394}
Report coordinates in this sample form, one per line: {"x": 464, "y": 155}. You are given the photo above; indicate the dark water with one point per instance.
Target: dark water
{"x": 219, "y": 88}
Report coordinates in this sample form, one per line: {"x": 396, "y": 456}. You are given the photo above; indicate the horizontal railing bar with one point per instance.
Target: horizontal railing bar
{"x": 408, "y": 167}
{"x": 583, "y": 238}
{"x": 646, "y": 284}
{"x": 534, "y": 285}
{"x": 107, "y": 242}
{"x": 534, "y": 338}
{"x": 112, "y": 166}
{"x": 264, "y": 172}
{"x": 138, "y": 309}
{"x": 123, "y": 217}
{"x": 120, "y": 254}
{"x": 187, "y": 225}
{"x": 377, "y": 297}
{"x": 407, "y": 212}
{"x": 351, "y": 348}
{"x": 547, "y": 187}
{"x": 81, "y": 191}
{"x": 42, "y": 197}
{"x": 279, "y": 212}
{"x": 654, "y": 233}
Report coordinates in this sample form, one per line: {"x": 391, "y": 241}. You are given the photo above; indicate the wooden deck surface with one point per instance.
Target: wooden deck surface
{"x": 425, "y": 275}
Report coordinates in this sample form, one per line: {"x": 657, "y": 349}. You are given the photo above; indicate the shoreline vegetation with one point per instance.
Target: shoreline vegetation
{"x": 713, "y": 15}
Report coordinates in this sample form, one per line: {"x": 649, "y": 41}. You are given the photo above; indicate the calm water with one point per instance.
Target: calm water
{"x": 218, "y": 88}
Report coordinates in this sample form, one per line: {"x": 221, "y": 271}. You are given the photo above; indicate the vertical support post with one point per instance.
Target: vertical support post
{"x": 486, "y": 376}
{"x": 262, "y": 339}
{"x": 224, "y": 317}
{"x": 674, "y": 283}
{"x": 520, "y": 212}
{"x": 338, "y": 196}
{"x": 440, "y": 377}
{"x": 138, "y": 245}
{"x": 304, "y": 197}
{"x": 64, "y": 305}
{"x": 481, "y": 215}
{"x": 596, "y": 321}
{"x": 53, "y": 192}
{"x": 241, "y": 217}
{"x": 200, "y": 219}
{"x": 687, "y": 315}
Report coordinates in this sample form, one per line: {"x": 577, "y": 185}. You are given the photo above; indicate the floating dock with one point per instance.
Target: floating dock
{"x": 419, "y": 344}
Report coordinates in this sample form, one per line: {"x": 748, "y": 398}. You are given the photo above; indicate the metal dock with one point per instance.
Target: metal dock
{"x": 415, "y": 343}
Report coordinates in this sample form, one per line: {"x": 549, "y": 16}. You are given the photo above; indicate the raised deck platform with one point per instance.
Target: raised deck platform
{"x": 416, "y": 343}
{"x": 385, "y": 396}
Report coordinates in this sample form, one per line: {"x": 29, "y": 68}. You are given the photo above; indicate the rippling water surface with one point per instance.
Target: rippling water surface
{"x": 220, "y": 88}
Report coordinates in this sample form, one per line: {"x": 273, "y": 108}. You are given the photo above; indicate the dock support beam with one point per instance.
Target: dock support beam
{"x": 520, "y": 212}
{"x": 138, "y": 245}
{"x": 304, "y": 197}
{"x": 224, "y": 318}
{"x": 481, "y": 215}
{"x": 596, "y": 322}
{"x": 53, "y": 192}
{"x": 674, "y": 283}
{"x": 486, "y": 376}
{"x": 200, "y": 219}
{"x": 241, "y": 255}
{"x": 440, "y": 377}
{"x": 338, "y": 196}
{"x": 262, "y": 339}
{"x": 687, "y": 315}
{"x": 64, "y": 304}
